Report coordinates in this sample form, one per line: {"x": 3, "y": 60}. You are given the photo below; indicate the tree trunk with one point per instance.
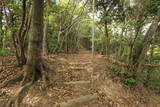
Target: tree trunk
{"x": 1, "y": 24}
{"x": 34, "y": 62}
{"x": 21, "y": 35}
{"x": 44, "y": 44}
{"x": 151, "y": 54}
{"x": 137, "y": 30}
{"x": 121, "y": 48}
{"x": 142, "y": 48}
{"x": 107, "y": 39}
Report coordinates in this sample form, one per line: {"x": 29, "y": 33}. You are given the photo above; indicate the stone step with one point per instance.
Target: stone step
{"x": 77, "y": 68}
{"x": 85, "y": 63}
{"x": 80, "y": 101}
{"x": 77, "y": 82}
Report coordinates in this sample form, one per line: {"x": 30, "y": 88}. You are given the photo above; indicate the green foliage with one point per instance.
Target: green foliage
{"x": 70, "y": 22}
{"x": 154, "y": 80}
{"x": 115, "y": 68}
{"x": 141, "y": 77}
{"x": 119, "y": 40}
{"x": 106, "y": 19}
{"x": 124, "y": 58}
{"x": 150, "y": 78}
{"x": 152, "y": 6}
{"x": 6, "y": 52}
{"x": 127, "y": 76}
{"x": 126, "y": 73}
{"x": 129, "y": 82}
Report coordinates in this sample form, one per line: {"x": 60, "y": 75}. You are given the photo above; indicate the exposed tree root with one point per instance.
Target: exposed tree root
{"x": 44, "y": 76}
{"x": 78, "y": 102}
{"x": 34, "y": 73}
{"x": 29, "y": 77}
{"x": 17, "y": 98}
{"x": 12, "y": 80}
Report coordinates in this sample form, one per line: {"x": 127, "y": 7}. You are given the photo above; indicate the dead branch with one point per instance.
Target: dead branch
{"x": 122, "y": 64}
{"x": 18, "y": 96}
{"x": 152, "y": 65}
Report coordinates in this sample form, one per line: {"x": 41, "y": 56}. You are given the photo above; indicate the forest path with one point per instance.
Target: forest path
{"x": 83, "y": 72}
{"x": 89, "y": 74}
{"x": 81, "y": 77}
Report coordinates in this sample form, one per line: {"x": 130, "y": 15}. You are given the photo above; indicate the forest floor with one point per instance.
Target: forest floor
{"x": 72, "y": 76}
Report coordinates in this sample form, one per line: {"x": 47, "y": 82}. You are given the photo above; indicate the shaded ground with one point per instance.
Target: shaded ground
{"x": 75, "y": 75}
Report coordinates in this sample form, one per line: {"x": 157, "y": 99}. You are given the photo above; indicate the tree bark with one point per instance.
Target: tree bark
{"x": 137, "y": 30}
{"x": 151, "y": 54}
{"x": 142, "y": 48}
{"x": 34, "y": 61}
{"x": 21, "y": 35}
{"x": 107, "y": 39}
{"x": 44, "y": 44}
{"x": 1, "y": 15}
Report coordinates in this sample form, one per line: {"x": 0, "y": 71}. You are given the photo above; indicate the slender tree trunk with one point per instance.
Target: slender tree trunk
{"x": 141, "y": 49}
{"x": 107, "y": 39}
{"x": 44, "y": 45}
{"x": 151, "y": 54}
{"x": 121, "y": 48}
{"x": 133, "y": 43}
{"x": 10, "y": 23}
{"x": 1, "y": 24}
{"x": 22, "y": 32}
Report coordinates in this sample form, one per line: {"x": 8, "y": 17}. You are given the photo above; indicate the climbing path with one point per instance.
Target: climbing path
{"x": 82, "y": 80}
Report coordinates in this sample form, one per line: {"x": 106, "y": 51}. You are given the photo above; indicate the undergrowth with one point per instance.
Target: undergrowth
{"x": 148, "y": 78}
{"x": 6, "y": 52}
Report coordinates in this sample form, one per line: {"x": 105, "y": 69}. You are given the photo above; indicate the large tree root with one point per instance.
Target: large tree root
{"x": 78, "y": 102}
{"x": 17, "y": 98}
{"x": 44, "y": 76}
{"x": 35, "y": 73}
{"x": 30, "y": 76}
{"x": 12, "y": 80}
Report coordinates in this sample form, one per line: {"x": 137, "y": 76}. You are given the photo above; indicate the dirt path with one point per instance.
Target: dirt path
{"x": 95, "y": 70}
{"x": 84, "y": 78}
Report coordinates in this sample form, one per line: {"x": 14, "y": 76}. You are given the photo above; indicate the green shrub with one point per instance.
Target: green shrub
{"x": 154, "y": 81}
{"x": 124, "y": 58}
{"x": 141, "y": 77}
{"x": 129, "y": 82}
{"x": 148, "y": 77}
{"x": 6, "y": 52}
{"x": 115, "y": 68}
{"x": 127, "y": 77}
